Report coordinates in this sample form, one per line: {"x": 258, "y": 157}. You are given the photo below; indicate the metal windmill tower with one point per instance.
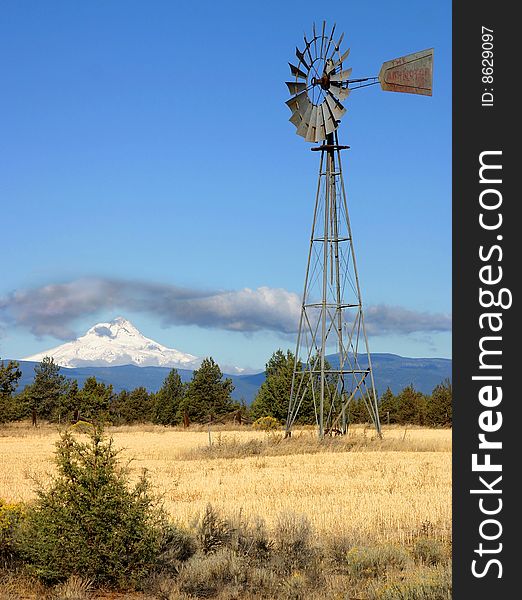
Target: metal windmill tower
{"x": 332, "y": 318}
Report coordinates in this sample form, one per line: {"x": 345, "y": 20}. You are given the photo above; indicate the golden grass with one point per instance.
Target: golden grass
{"x": 372, "y": 490}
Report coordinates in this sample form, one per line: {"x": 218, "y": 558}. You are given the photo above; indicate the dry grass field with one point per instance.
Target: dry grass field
{"x": 372, "y": 490}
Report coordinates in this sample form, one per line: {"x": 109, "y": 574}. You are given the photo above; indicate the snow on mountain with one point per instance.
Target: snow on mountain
{"x": 117, "y": 343}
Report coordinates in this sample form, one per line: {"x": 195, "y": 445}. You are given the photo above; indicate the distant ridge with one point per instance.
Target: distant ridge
{"x": 395, "y": 372}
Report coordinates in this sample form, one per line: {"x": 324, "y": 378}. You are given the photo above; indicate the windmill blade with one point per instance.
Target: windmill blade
{"x": 322, "y": 39}
{"x": 329, "y": 66}
{"x": 296, "y": 118}
{"x": 410, "y": 74}
{"x": 300, "y": 111}
{"x": 310, "y": 134}
{"x": 307, "y": 49}
{"x": 341, "y": 76}
{"x": 294, "y": 103}
{"x": 341, "y": 93}
{"x": 302, "y": 130}
{"x": 301, "y": 57}
{"x": 338, "y": 45}
{"x": 344, "y": 57}
{"x": 295, "y": 87}
{"x": 317, "y": 122}
{"x": 330, "y": 124}
{"x": 320, "y": 129}
{"x": 330, "y": 41}
{"x": 335, "y": 106}
{"x": 341, "y": 60}
{"x": 297, "y": 72}
{"x": 305, "y": 122}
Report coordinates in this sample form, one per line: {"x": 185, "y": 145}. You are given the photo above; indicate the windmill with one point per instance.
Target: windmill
{"x": 332, "y": 318}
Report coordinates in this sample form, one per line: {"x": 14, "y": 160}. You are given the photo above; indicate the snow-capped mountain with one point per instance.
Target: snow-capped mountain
{"x": 117, "y": 343}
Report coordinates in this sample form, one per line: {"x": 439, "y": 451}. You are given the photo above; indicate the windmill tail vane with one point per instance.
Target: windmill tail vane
{"x": 333, "y": 365}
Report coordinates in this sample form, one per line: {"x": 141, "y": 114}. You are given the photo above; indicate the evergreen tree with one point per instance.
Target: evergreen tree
{"x": 90, "y": 521}
{"x": 389, "y": 407}
{"x": 439, "y": 409}
{"x": 208, "y": 394}
{"x": 167, "y": 401}
{"x": 117, "y": 408}
{"x": 67, "y": 403}
{"x": 94, "y": 399}
{"x": 15, "y": 407}
{"x": 47, "y": 388}
{"x": 9, "y": 377}
{"x": 137, "y": 407}
{"x": 411, "y": 407}
{"x": 274, "y": 394}
{"x": 358, "y": 412}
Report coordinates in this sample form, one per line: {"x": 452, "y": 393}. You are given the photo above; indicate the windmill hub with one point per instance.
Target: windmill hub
{"x": 324, "y": 81}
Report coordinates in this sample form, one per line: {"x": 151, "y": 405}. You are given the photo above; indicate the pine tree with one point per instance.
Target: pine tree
{"x": 67, "y": 403}
{"x": 411, "y": 407}
{"x": 47, "y": 388}
{"x": 9, "y": 377}
{"x": 90, "y": 521}
{"x": 117, "y": 408}
{"x": 358, "y": 412}
{"x": 208, "y": 394}
{"x": 167, "y": 401}
{"x": 95, "y": 399}
{"x": 388, "y": 407}
{"x": 272, "y": 397}
{"x": 439, "y": 409}
{"x": 137, "y": 407}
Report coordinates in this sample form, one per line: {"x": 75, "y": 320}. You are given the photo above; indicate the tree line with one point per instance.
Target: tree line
{"x": 407, "y": 407}
{"x": 206, "y": 397}
{"x": 55, "y": 398}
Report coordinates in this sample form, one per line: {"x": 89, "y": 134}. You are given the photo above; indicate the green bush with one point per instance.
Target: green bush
{"x": 374, "y": 561}
{"x": 428, "y": 584}
{"x": 89, "y": 522}
{"x": 176, "y": 546}
{"x": 206, "y": 576}
{"x": 295, "y": 587}
{"x": 266, "y": 424}
{"x": 429, "y": 551}
{"x": 11, "y": 516}
{"x": 337, "y": 548}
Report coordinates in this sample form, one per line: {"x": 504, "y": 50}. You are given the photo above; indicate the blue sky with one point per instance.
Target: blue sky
{"x": 148, "y": 144}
